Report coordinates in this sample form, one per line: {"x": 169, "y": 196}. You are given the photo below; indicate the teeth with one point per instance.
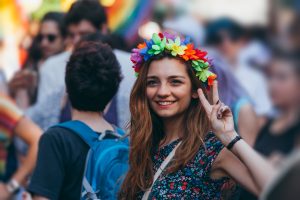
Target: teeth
{"x": 164, "y": 103}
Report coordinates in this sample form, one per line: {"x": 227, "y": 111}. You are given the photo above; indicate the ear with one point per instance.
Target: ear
{"x": 195, "y": 95}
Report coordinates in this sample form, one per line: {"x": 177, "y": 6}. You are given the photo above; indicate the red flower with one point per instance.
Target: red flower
{"x": 161, "y": 35}
{"x": 201, "y": 162}
{"x": 201, "y": 54}
{"x": 183, "y": 187}
{"x": 211, "y": 79}
{"x": 196, "y": 190}
{"x": 172, "y": 185}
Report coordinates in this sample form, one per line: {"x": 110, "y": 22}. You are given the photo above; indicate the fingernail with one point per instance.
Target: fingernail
{"x": 218, "y": 101}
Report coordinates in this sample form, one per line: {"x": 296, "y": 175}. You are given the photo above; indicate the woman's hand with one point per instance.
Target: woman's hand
{"x": 220, "y": 116}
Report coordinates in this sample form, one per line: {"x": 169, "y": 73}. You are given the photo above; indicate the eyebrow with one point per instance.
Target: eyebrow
{"x": 170, "y": 77}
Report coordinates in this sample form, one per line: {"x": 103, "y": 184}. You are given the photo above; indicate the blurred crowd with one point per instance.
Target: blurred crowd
{"x": 258, "y": 72}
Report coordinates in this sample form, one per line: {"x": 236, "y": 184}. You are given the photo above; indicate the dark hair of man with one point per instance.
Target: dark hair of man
{"x": 90, "y": 10}
{"x": 92, "y": 76}
{"x": 57, "y": 17}
{"x": 232, "y": 28}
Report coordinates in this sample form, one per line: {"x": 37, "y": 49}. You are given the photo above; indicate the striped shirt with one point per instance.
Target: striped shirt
{"x": 10, "y": 115}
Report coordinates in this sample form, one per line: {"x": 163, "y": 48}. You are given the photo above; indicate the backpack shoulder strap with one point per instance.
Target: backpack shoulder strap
{"x": 82, "y": 130}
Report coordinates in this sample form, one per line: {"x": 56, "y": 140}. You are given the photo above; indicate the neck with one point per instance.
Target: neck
{"x": 290, "y": 113}
{"x": 172, "y": 129}
{"x": 95, "y": 120}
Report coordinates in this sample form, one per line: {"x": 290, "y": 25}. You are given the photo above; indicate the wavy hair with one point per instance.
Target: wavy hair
{"x": 146, "y": 132}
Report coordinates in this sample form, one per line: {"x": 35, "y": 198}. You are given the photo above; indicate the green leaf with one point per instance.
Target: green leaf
{"x": 203, "y": 76}
{"x": 163, "y": 43}
{"x": 156, "y": 39}
{"x": 155, "y": 47}
{"x": 157, "y": 52}
{"x": 151, "y": 51}
{"x": 195, "y": 62}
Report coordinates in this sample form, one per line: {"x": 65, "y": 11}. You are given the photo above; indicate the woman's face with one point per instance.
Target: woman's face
{"x": 169, "y": 88}
{"x": 50, "y": 38}
{"x": 284, "y": 84}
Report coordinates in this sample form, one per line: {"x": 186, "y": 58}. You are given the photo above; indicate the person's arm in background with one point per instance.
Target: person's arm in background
{"x": 30, "y": 134}
{"x": 248, "y": 124}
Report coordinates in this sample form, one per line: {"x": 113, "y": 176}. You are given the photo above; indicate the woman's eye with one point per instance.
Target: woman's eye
{"x": 176, "y": 82}
{"x": 151, "y": 83}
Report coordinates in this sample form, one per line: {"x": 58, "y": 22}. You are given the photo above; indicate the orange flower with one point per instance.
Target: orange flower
{"x": 189, "y": 53}
{"x": 211, "y": 79}
{"x": 142, "y": 45}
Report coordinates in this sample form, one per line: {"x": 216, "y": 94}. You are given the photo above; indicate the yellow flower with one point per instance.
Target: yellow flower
{"x": 175, "y": 47}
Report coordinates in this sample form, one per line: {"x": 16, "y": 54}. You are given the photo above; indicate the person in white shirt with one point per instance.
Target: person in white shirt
{"x": 228, "y": 38}
{"x": 81, "y": 20}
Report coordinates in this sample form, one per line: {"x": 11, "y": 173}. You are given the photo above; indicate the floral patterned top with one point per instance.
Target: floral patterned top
{"x": 193, "y": 181}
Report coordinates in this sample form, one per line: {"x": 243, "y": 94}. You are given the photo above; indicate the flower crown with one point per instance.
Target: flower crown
{"x": 176, "y": 46}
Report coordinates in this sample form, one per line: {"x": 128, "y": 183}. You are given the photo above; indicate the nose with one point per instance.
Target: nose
{"x": 76, "y": 39}
{"x": 44, "y": 42}
{"x": 163, "y": 91}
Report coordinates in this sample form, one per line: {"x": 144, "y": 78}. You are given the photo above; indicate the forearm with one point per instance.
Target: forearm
{"x": 27, "y": 166}
{"x": 259, "y": 168}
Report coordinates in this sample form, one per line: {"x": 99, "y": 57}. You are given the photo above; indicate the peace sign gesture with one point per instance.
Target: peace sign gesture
{"x": 219, "y": 114}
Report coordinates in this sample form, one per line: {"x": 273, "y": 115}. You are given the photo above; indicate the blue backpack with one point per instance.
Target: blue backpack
{"x": 106, "y": 163}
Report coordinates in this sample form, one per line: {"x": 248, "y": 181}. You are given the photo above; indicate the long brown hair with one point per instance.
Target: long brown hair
{"x": 146, "y": 131}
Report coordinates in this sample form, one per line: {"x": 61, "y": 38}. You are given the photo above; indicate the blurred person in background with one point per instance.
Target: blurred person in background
{"x": 188, "y": 26}
{"x": 294, "y": 33}
{"x": 281, "y": 134}
{"x": 13, "y": 123}
{"x": 232, "y": 94}
{"x": 83, "y": 18}
{"x": 228, "y": 38}
{"x": 48, "y": 42}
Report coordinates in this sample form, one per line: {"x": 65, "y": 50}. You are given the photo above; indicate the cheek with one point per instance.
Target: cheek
{"x": 284, "y": 90}
{"x": 185, "y": 94}
{"x": 150, "y": 93}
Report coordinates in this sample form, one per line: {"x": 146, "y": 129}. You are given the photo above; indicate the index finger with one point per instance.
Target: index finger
{"x": 204, "y": 102}
{"x": 215, "y": 92}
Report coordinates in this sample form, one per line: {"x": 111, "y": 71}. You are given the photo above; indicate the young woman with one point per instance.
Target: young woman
{"x": 281, "y": 134}
{"x": 171, "y": 115}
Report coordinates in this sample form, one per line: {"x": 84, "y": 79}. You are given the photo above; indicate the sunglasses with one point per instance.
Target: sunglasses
{"x": 50, "y": 37}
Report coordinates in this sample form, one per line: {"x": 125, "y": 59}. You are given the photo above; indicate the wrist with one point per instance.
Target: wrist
{"x": 227, "y": 137}
{"x": 12, "y": 186}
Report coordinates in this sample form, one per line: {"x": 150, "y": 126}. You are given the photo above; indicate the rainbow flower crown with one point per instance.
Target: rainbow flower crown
{"x": 176, "y": 46}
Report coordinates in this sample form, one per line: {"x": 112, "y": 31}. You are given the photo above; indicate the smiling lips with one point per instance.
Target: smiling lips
{"x": 164, "y": 103}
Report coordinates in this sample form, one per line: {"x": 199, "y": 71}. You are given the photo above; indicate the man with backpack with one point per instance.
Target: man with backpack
{"x": 85, "y": 158}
